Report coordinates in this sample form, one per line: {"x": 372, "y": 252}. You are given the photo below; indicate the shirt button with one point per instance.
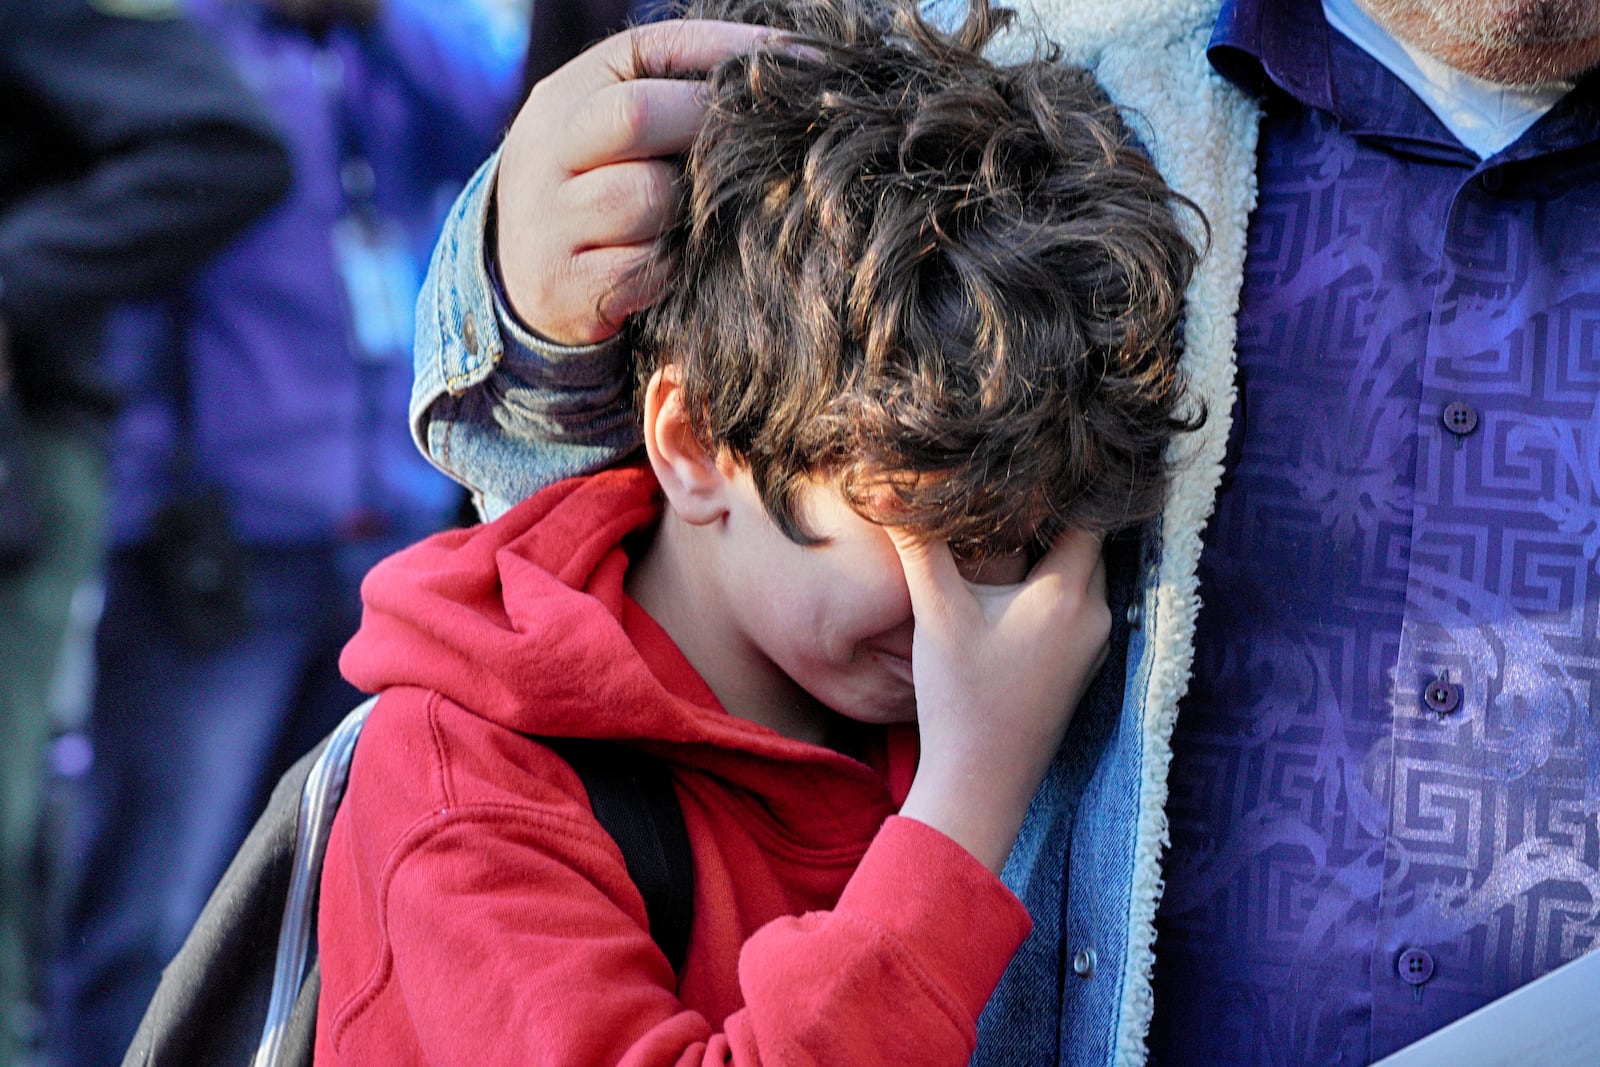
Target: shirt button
{"x": 1415, "y": 966}
{"x": 1460, "y": 418}
{"x": 1442, "y": 696}
{"x": 1493, "y": 181}
{"x": 1083, "y": 962}
{"x": 469, "y": 333}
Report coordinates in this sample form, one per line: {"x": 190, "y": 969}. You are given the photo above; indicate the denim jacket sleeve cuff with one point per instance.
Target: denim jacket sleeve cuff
{"x": 498, "y": 408}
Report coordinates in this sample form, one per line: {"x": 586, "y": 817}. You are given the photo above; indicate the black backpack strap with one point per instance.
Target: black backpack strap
{"x": 633, "y": 800}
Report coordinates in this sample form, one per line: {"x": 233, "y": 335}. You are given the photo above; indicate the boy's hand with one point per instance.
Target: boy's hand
{"x": 998, "y": 671}
{"x": 583, "y": 188}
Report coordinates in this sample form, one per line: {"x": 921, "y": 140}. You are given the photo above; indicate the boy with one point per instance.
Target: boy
{"x": 871, "y": 400}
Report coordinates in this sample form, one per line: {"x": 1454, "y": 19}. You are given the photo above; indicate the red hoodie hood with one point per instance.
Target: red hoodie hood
{"x": 525, "y": 622}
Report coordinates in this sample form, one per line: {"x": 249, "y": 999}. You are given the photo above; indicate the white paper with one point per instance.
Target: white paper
{"x": 1553, "y": 1021}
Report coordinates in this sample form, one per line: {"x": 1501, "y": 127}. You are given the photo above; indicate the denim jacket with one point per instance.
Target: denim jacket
{"x": 506, "y": 413}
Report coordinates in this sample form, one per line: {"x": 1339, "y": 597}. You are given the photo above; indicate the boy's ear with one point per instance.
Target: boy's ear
{"x": 694, "y": 483}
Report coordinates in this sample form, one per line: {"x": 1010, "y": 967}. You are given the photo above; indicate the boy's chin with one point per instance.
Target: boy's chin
{"x": 879, "y": 711}
{"x": 877, "y": 691}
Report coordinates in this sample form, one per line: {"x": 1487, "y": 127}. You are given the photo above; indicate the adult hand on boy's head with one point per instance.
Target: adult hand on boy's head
{"x": 583, "y": 186}
{"x": 999, "y": 671}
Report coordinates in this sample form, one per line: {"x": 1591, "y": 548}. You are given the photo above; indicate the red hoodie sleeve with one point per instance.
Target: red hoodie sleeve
{"x": 896, "y": 973}
{"x": 510, "y": 934}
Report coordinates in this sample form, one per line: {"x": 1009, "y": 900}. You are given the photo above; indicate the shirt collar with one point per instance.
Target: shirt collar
{"x": 1261, "y": 44}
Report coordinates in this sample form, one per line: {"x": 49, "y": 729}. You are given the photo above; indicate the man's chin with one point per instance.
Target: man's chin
{"x": 1529, "y": 65}
{"x": 1532, "y": 42}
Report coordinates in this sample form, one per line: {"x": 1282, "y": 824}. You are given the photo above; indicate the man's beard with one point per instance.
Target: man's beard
{"x": 1513, "y": 42}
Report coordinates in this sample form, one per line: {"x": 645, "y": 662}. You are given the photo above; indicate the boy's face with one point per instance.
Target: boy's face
{"x": 833, "y": 619}
{"x": 779, "y": 630}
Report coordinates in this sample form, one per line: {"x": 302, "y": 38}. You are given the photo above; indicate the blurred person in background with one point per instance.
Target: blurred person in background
{"x": 129, "y": 151}
{"x": 261, "y": 467}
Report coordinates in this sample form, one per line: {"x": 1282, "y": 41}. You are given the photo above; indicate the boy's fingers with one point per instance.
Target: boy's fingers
{"x": 1073, "y": 559}
{"x": 1071, "y": 579}
{"x": 605, "y": 291}
{"x": 631, "y": 120}
{"x": 931, "y": 575}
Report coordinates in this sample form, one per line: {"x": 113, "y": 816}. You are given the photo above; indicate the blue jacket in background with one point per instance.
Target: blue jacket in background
{"x": 305, "y": 438}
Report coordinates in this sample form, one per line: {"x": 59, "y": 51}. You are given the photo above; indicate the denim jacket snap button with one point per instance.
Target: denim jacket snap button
{"x": 1083, "y": 963}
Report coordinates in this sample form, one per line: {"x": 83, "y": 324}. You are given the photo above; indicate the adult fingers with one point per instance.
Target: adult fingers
{"x": 628, "y": 121}
{"x": 658, "y": 50}
{"x": 630, "y": 289}
{"x": 623, "y": 203}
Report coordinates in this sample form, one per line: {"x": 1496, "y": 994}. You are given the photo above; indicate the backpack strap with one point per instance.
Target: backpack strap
{"x": 291, "y": 1014}
{"x": 633, "y": 799}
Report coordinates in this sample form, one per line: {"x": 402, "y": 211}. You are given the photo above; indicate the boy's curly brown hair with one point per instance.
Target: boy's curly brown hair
{"x": 952, "y": 285}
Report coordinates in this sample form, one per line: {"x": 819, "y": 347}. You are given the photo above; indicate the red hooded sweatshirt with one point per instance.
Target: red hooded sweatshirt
{"x": 473, "y": 911}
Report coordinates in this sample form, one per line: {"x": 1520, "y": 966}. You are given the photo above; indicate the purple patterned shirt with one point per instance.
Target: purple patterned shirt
{"x": 1386, "y": 780}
